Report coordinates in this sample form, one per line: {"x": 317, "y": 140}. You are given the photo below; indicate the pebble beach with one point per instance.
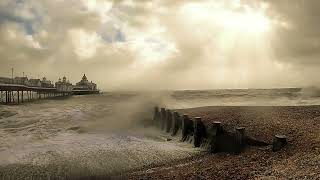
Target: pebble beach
{"x": 299, "y": 159}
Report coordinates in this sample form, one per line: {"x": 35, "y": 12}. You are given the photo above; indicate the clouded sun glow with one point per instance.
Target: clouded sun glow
{"x": 246, "y": 22}
{"x": 214, "y": 15}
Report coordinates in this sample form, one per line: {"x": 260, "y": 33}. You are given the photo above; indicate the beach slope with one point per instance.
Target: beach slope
{"x": 300, "y": 159}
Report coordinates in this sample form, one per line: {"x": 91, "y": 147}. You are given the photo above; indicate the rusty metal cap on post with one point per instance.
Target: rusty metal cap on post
{"x": 198, "y": 119}
{"x": 217, "y": 123}
{"x": 280, "y": 136}
{"x": 241, "y": 129}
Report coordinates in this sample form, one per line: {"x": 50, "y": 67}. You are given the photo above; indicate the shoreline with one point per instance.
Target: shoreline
{"x": 299, "y": 159}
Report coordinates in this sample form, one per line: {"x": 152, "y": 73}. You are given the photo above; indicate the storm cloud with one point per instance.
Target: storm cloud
{"x": 161, "y": 44}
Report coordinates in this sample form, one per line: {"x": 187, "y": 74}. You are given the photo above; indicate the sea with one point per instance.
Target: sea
{"x": 101, "y": 135}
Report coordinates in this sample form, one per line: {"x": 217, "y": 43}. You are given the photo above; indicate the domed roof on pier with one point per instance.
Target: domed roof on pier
{"x": 84, "y": 77}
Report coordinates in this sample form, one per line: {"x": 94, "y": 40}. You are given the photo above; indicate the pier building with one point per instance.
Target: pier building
{"x": 64, "y": 85}
{"x": 21, "y": 80}
{"x": 5, "y": 80}
{"x": 85, "y": 87}
{"x": 34, "y": 83}
{"x": 46, "y": 83}
{"x": 85, "y": 84}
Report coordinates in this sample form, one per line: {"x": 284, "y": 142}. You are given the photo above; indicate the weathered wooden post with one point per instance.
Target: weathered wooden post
{"x": 198, "y": 132}
{"x": 185, "y": 125}
{"x": 176, "y": 123}
{"x": 240, "y": 139}
{"x": 213, "y": 134}
{"x": 168, "y": 120}
{"x": 156, "y": 116}
{"x": 279, "y": 141}
{"x": 240, "y": 135}
{"x": 163, "y": 118}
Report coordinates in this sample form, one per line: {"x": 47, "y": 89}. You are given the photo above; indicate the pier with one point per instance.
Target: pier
{"x": 21, "y": 89}
{"x": 16, "y": 94}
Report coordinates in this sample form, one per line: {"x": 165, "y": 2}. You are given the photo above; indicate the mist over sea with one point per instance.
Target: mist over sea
{"x": 101, "y": 134}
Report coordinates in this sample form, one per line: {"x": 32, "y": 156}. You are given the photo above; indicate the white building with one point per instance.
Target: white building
{"x": 34, "y": 82}
{"x": 84, "y": 84}
{"x": 21, "y": 81}
{"x": 64, "y": 85}
{"x": 46, "y": 83}
{"x": 5, "y": 80}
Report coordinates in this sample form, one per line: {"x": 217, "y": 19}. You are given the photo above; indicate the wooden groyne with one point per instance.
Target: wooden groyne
{"x": 213, "y": 137}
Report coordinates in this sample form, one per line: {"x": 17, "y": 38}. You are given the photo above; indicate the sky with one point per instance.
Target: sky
{"x": 163, "y": 44}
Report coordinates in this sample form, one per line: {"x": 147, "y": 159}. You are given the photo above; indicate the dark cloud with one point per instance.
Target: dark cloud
{"x": 299, "y": 36}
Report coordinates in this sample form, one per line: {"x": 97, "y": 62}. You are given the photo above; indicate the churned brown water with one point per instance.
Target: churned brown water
{"x": 81, "y": 136}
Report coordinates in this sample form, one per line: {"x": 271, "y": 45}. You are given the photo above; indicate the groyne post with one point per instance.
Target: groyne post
{"x": 163, "y": 118}
{"x": 240, "y": 138}
{"x": 279, "y": 141}
{"x": 213, "y": 134}
{"x": 187, "y": 127}
{"x": 156, "y": 116}
{"x": 198, "y": 132}
{"x": 168, "y": 120}
{"x": 176, "y": 123}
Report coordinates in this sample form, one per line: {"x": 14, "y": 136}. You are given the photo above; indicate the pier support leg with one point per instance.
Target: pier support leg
{"x": 18, "y": 97}
{"x": 10, "y": 96}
